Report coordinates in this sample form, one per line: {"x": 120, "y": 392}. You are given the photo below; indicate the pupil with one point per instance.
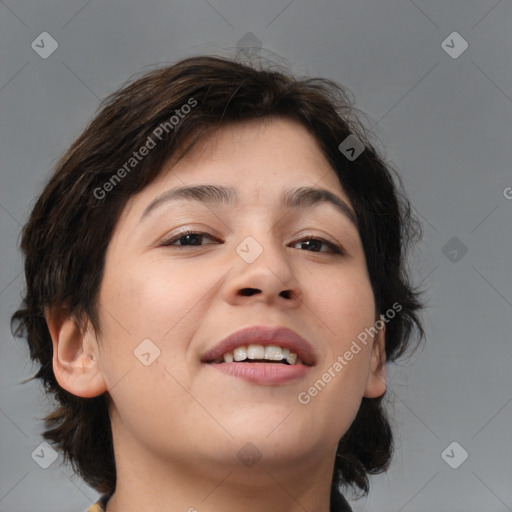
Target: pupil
{"x": 189, "y": 237}
{"x": 310, "y": 242}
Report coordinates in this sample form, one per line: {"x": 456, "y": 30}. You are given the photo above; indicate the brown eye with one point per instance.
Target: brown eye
{"x": 316, "y": 243}
{"x": 187, "y": 239}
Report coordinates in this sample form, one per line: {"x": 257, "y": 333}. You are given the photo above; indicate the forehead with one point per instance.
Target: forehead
{"x": 260, "y": 139}
{"x": 260, "y": 158}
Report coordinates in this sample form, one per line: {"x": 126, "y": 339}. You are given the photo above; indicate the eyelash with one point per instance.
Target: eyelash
{"x": 334, "y": 248}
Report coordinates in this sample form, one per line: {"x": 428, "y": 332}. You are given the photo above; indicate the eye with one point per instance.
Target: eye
{"x": 188, "y": 238}
{"x": 194, "y": 238}
{"x": 315, "y": 243}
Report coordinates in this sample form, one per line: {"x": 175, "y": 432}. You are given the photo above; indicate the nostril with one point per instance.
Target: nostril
{"x": 249, "y": 291}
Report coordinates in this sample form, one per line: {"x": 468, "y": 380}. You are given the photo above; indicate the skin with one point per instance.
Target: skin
{"x": 178, "y": 424}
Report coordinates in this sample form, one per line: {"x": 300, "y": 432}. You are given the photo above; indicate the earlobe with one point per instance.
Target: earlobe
{"x": 376, "y": 383}
{"x": 75, "y": 355}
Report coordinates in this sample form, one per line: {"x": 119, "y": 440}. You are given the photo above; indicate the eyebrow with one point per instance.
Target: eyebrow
{"x": 302, "y": 197}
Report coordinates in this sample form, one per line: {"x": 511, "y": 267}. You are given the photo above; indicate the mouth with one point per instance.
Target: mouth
{"x": 256, "y": 353}
{"x": 262, "y": 355}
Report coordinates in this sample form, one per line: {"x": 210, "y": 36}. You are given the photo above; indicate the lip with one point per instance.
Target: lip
{"x": 263, "y": 335}
{"x": 263, "y": 373}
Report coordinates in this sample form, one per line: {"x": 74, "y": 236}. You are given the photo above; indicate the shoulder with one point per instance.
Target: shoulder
{"x": 100, "y": 505}
{"x": 339, "y": 503}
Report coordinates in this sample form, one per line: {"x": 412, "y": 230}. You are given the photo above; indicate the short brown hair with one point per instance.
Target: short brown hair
{"x": 65, "y": 239}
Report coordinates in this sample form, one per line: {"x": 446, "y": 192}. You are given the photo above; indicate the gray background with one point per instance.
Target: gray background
{"x": 443, "y": 122}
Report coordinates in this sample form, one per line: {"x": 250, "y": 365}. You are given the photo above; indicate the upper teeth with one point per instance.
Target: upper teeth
{"x": 270, "y": 352}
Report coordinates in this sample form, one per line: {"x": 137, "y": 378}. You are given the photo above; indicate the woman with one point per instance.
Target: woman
{"x": 215, "y": 282}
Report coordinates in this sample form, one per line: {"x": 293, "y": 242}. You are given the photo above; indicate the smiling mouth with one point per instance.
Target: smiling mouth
{"x": 255, "y": 353}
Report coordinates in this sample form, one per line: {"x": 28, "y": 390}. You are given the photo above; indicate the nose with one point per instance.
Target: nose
{"x": 268, "y": 279}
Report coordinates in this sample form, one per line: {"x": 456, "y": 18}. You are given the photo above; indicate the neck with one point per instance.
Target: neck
{"x": 152, "y": 481}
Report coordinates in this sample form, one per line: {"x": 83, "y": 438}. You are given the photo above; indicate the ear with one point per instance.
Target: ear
{"x": 75, "y": 355}
{"x": 376, "y": 383}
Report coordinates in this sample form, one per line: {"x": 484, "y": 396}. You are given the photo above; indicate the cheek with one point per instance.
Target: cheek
{"x": 156, "y": 302}
{"x": 147, "y": 307}
{"x": 150, "y": 300}
{"x": 346, "y": 306}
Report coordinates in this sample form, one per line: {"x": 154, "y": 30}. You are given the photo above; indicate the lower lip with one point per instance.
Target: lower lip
{"x": 263, "y": 373}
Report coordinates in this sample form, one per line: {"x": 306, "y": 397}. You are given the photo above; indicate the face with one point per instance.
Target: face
{"x": 254, "y": 261}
